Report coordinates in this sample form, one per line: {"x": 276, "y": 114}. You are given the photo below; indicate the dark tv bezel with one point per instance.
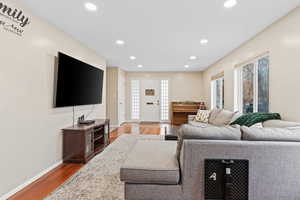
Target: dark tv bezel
{"x": 56, "y": 82}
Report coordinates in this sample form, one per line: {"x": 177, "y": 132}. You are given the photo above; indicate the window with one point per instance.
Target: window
{"x": 252, "y": 86}
{"x": 164, "y": 99}
{"x": 135, "y": 99}
{"x": 217, "y": 93}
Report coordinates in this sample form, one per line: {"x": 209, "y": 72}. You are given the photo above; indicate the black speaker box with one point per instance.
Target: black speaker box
{"x": 226, "y": 179}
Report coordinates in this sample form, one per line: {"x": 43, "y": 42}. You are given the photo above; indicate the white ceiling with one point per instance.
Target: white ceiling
{"x": 162, "y": 34}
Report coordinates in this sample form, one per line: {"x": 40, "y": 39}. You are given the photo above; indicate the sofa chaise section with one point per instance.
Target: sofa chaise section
{"x": 151, "y": 171}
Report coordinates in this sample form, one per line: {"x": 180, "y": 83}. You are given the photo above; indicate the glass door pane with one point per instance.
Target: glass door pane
{"x": 220, "y": 93}
{"x": 164, "y": 100}
{"x": 135, "y": 99}
{"x": 263, "y": 85}
{"x": 248, "y": 88}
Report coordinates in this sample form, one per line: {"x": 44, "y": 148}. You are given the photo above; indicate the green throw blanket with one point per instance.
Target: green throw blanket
{"x": 253, "y": 118}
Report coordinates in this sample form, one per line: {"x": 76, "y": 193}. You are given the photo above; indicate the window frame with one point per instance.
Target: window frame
{"x": 238, "y": 83}
{"x": 214, "y": 92}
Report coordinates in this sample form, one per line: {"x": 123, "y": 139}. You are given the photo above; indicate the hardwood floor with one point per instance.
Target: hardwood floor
{"x": 52, "y": 180}
{"x": 48, "y": 183}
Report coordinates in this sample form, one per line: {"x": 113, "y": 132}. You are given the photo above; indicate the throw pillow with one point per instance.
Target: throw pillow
{"x": 213, "y": 114}
{"x": 202, "y": 116}
{"x": 208, "y": 133}
{"x": 271, "y": 134}
{"x": 223, "y": 118}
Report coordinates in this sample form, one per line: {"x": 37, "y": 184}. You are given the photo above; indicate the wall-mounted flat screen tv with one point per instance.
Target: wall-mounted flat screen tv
{"x": 78, "y": 83}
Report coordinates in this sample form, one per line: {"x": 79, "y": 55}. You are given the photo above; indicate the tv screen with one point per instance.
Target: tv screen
{"x": 78, "y": 83}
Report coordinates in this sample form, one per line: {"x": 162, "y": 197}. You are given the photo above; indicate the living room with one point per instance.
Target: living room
{"x": 136, "y": 100}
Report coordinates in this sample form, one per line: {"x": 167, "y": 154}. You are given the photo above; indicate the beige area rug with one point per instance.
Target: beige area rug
{"x": 100, "y": 178}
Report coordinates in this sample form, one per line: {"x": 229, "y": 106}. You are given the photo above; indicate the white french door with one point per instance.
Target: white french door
{"x": 150, "y": 100}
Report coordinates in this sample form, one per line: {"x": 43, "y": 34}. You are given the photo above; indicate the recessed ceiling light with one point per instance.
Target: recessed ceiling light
{"x": 204, "y": 41}
{"x": 230, "y": 3}
{"x": 132, "y": 57}
{"x": 193, "y": 57}
{"x": 140, "y": 66}
{"x": 186, "y": 66}
{"x": 120, "y": 42}
{"x": 90, "y": 6}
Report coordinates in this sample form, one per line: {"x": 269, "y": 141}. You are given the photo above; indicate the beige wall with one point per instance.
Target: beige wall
{"x": 282, "y": 40}
{"x": 184, "y": 86}
{"x": 31, "y": 138}
{"x": 115, "y": 95}
{"x": 112, "y": 95}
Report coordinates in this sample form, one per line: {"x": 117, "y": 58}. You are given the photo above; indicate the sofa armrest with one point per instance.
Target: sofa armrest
{"x": 274, "y": 171}
{"x": 191, "y": 118}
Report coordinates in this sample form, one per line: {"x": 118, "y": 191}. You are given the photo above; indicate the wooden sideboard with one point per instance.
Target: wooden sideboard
{"x": 181, "y": 110}
{"x": 82, "y": 142}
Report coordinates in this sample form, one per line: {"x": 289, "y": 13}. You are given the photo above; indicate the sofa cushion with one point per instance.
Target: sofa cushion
{"x": 280, "y": 124}
{"x": 222, "y": 118}
{"x": 151, "y": 162}
{"x": 200, "y": 124}
{"x": 213, "y": 114}
{"x": 271, "y": 134}
{"x": 202, "y": 116}
{"x": 258, "y": 125}
{"x": 207, "y": 133}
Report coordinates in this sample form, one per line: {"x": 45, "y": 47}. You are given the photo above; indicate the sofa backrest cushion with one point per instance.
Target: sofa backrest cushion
{"x": 280, "y": 124}
{"x": 213, "y": 114}
{"x": 221, "y": 117}
{"x": 207, "y": 133}
{"x": 271, "y": 134}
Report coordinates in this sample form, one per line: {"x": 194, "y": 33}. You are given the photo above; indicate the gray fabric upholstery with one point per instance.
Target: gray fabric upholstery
{"x": 153, "y": 192}
{"x": 280, "y": 124}
{"x": 271, "y": 134}
{"x": 274, "y": 171}
{"x": 199, "y": 124}
{"x": 152, "y": 162}
{"x": 209, "y": 133}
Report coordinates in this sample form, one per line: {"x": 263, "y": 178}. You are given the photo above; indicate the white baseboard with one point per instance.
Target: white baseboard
{"x": 28, "y": 182}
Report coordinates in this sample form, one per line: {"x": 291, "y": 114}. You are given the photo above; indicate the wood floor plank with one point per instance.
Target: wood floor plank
{"x": 45, "y": 185}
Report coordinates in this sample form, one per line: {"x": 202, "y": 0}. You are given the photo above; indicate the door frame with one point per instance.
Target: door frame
{"x": 130, "y": 99}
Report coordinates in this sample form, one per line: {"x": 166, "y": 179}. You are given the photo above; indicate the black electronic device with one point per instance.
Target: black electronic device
{"x": 78, "y": 83}
{"x": 82, "y": 121}
{"x": 226, "y": 179}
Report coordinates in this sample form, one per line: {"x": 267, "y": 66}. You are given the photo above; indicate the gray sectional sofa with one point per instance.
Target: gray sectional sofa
{"x": 154, "y": 172}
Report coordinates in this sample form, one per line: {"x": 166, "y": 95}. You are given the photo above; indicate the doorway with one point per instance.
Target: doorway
{"x": 150, "y": 100}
